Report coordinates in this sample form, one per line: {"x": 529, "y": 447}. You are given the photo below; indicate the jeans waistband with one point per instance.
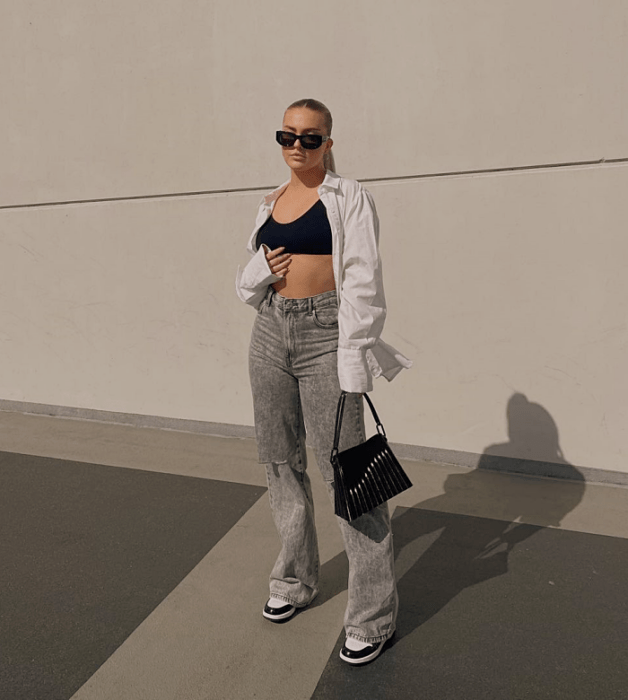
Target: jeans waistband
{"x": 306, "y": 304}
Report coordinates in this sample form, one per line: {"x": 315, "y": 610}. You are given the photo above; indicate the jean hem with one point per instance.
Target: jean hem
{"x": 291, "y": 601}
{"x": 371, "y": 640}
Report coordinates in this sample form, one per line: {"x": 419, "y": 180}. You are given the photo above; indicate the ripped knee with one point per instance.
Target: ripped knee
{"x": 275, "y": 466}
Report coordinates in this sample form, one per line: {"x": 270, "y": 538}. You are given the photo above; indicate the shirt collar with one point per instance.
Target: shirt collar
{"x": 331, "y": 182}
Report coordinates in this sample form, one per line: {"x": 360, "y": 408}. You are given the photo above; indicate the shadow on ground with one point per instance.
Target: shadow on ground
{"x": 461, "y": 554}
{"x": 498, "y": 607}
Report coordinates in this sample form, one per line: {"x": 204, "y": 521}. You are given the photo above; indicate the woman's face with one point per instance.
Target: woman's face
{"x": 301, "y": 120}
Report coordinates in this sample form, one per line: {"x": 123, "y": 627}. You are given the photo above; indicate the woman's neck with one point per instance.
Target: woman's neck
{"x": 308, "y": 180}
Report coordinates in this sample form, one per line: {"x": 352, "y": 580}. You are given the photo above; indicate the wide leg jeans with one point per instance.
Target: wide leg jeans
{"x": 294, "y": 379}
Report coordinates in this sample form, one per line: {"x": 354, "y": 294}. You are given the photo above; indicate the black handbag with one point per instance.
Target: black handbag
{"x": 365, "y": 475}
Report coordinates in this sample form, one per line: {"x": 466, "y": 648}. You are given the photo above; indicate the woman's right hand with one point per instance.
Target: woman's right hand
{"x": 278, "y": 261}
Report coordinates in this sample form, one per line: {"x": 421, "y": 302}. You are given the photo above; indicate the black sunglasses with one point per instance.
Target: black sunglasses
{"x": 309, "y": 141}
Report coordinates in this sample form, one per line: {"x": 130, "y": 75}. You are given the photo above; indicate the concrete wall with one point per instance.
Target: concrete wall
{"x": 480, "y": 128}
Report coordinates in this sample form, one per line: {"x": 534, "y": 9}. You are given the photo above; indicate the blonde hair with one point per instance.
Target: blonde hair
{"x": 316, "y": 106}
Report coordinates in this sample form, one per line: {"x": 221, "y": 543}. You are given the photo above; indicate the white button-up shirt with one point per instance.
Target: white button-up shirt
{"x": 357, "y": 267}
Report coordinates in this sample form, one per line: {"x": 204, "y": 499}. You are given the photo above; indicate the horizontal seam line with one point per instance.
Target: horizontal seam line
{"x": 508, "y": 169}
{"x": 392, "y": 178}
{"x": 130, "y": 198}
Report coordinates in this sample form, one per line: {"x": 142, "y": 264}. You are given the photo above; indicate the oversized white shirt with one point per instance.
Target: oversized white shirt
{"x": 357, "y": 267}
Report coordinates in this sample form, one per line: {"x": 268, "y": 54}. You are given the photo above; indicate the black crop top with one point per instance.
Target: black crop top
{"x": 309, "y": 234}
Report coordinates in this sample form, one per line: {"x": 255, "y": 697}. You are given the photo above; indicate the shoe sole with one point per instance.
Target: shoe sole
{"x": 279, "y": 618}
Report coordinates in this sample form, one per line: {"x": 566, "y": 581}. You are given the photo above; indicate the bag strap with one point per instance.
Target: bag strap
{"x": 339, "y": 413}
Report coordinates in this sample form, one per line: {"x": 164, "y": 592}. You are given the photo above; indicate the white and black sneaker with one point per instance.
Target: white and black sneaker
{"x": 356, "y": 652}
{"x": 278, "y": 610}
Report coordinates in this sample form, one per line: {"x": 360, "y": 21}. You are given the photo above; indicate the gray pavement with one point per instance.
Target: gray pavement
{"x": 495, "y": 573}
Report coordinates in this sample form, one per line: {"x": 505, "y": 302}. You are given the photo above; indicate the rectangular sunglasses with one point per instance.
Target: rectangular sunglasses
{"x": 308, "y": 141}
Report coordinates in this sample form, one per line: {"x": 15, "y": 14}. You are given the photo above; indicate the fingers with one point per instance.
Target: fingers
{"x": 281, "y": 268}
{"x": 274, "y": 253}
{"x": 278, "y": 261}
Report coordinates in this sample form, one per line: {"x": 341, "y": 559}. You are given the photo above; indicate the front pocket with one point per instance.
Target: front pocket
{"x": 326, "y": 316}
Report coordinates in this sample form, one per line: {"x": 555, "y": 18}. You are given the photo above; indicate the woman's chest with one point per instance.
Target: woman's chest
{"x": 288, "y": 209}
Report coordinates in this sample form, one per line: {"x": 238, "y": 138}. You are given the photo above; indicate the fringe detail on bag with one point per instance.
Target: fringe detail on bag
{"x": 365, "y": 476}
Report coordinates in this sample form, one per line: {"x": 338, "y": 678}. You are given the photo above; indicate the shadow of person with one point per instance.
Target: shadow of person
{"x": 464, "y": 537}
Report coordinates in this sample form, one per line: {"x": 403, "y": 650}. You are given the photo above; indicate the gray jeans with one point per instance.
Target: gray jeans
{"x": 294, "y": 378}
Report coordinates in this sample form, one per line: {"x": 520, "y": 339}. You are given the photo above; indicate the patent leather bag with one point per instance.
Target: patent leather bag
{"x": 365, "y": 475}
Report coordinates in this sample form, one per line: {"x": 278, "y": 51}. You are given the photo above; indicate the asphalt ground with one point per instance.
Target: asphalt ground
{"x": 135, "y": 561}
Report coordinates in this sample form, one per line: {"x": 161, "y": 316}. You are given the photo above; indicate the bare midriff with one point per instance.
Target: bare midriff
{"x": 307, "y": 276}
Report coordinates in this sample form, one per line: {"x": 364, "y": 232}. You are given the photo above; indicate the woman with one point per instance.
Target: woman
{"x": 315, "y": 279}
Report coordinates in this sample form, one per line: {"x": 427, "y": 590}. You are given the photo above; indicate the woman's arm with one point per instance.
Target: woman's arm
{"x": 362, "y": 309}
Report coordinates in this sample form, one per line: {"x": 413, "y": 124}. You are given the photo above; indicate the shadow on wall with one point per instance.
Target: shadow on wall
{"x": 532, "y": 436}
{"x": 440, "y": 553}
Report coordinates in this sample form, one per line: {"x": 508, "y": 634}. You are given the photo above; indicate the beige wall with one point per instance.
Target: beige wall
{"x": 128, "y": 98}
{"x": 497, "y": 282}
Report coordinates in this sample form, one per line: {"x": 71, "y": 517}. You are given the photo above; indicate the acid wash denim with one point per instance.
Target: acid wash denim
{"x": 294, "y": 378}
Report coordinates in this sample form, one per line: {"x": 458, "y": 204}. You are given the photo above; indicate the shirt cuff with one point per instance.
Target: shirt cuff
{"x": 353, "y": 371}
{"x": 251, "y": 283}
{"x": 385, "y": 361}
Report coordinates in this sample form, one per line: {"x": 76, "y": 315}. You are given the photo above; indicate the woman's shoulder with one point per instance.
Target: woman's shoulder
{"x": 273, "y": 194}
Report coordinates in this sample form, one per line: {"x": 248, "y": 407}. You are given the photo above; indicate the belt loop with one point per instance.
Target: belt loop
{"x": 310, "y": 305}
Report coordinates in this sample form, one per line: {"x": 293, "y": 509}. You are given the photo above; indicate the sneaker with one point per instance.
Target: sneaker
{"x": 278, "y": 614}
{"x": 362, "y": 655}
